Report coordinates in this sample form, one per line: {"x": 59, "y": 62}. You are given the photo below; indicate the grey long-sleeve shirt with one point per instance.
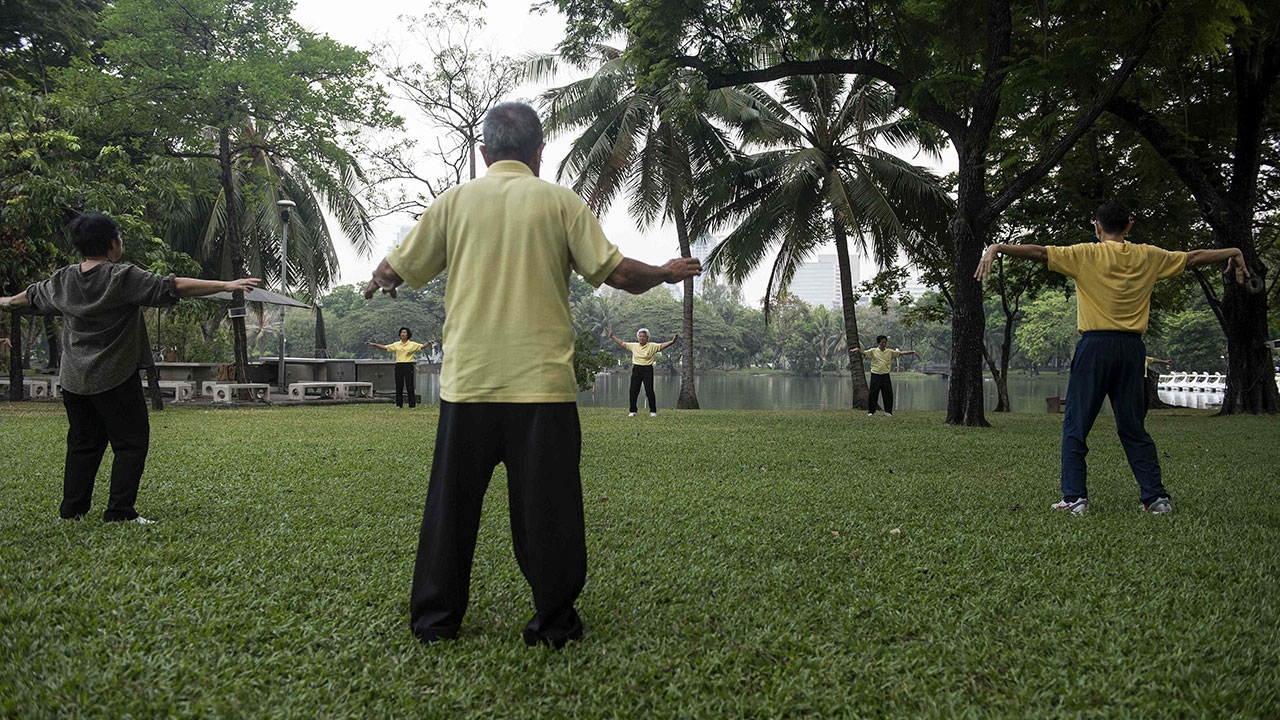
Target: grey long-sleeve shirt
{"x": 104, "y": 339}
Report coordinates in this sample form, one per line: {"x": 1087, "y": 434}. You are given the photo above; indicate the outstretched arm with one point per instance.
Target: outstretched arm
{"x": 195, "y": 287}
{"x": 635, "y": 277}
{"x": 909, "y": 352}
{"x": 1233, "y": 256}
{"x": 1026, "y": 252}
{"x": 370, "y": 343}
{"x": 615, "y": 339}
{"x": 14, "y": 302}
{"x": 668, "y": 344}
{"x": 853, "y": 350}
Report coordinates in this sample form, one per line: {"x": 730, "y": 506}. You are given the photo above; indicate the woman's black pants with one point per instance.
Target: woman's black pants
{"x": 117, "y": 416}
{"x": 642, "y": 375}
{"x": 404, "y": 383}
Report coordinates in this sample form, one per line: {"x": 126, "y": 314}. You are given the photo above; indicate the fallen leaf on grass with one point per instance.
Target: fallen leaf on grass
{"x": 896, "y": 531}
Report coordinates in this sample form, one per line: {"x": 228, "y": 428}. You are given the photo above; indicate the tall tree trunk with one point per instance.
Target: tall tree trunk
{"x": 235, "y": 247}
{"x": 15, "y": 357}
{"x": 688, "y": 399}
{"x": 964, "y": 389}
{"x": 858, "y": 392}
{"x": 1251, "y": 386}
{"x": 153, "y": 387}
{"x": 54, "y": 343}
{"x": 322, "y": 344}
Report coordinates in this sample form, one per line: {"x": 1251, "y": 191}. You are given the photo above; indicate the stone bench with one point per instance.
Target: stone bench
{"x": 183, "y": 390}
{"x": 323, "y": 390}
{"x": 226, "y": 392}
{"x": 1055, "y": 405}
{"x": 36, "y": 388}
{"x": 356, "y": 389}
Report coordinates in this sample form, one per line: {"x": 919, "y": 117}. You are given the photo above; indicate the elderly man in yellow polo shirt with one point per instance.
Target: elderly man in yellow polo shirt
{"x": 881, "y": 363}
{"x": 643, "y": 354}
{"x": 507, "y": 390}
{"x": 405, "y": 350}
{"x": 1113, "y": 279}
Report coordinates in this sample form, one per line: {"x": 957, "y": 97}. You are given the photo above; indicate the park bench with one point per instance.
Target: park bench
{"x": 183, "y": 391}
{"x": 30, "y": 386}
{"x": 355, "y": 389}
{"x": 226, "y": 392}
{"x": 323, "y": 390}
{"x": 1055, "y": 404}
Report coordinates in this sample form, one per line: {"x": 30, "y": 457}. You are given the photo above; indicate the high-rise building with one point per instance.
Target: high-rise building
{"x": 817, "y": 281}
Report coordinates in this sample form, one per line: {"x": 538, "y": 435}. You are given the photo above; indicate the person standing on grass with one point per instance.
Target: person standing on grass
{"x": 881, "y": 363}
{"x": 104, "y": 341}
{"x": 643, "y": 354}
{"x": 1114, "y": 279}
{"x": 507, "y": 388}
{"x": 405, "y": 349}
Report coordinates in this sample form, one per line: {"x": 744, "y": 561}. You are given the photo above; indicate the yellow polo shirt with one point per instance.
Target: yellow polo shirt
{"x": 1114, "y": 281}
{"x": 881, "y": 359}
{"x": 405, "y": 349}
{"x": 643, "y": 354}
{"x": 509, "y": 241}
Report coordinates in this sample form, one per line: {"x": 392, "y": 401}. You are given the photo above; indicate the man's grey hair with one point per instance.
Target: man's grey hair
{"x": 642, "y": 330}
{"x": 512, "y": 131}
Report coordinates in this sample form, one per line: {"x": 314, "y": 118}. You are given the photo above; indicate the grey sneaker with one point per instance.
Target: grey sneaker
{"x": 142, "y": 521}
{"x": 1159, "y": 506}
{"x": 1076, "y": 506}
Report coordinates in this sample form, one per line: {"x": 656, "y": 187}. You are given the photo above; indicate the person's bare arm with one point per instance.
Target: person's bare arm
{"x": 1233, "y": 256}
{"x": 195, "y": 287}
{"x": 370, "y": 343}
{"x": 635, "y": 277}
{"x": 1026, "y": 252}
{"x": 614, "y": 338}
{"x": 384, "y": 279}
{"x": 668, "y": 344}
{"x": 909, "y": 352}
{"x": 14, "y": 302}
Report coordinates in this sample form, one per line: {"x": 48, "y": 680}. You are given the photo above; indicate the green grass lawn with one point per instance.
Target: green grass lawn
{"x": 742, "y": 564}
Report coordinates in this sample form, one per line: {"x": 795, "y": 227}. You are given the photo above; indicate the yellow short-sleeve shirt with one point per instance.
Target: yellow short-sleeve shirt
{"x": 1114, "y": 281}
{"x": 509, "y": 241}
{"x": 881, "y": 360}
{"x": 643, "y": 354}
{"x": 405, "y": 349}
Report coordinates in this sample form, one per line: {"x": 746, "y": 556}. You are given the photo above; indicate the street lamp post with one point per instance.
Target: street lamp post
{"x": 285, "y": 206}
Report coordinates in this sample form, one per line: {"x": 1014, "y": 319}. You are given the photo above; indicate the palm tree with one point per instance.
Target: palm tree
{"x": 826, "y": 178}
{"x": 198, "y": 225}
{"x": 658, "y": 145}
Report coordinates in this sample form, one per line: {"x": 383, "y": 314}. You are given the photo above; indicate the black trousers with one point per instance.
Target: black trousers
{"x": 880, "y": 385}
{"x": 117, "y": 416}
{"x": 642, "y": 374}
{"x": 404, "y": 382}
{"x": 540, "y": 444}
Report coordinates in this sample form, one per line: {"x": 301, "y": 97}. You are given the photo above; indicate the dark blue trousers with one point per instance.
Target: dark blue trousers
{"x": 1108, "y": 364}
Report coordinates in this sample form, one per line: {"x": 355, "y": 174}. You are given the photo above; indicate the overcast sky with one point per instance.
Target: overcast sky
{"x": 512, "y": 29}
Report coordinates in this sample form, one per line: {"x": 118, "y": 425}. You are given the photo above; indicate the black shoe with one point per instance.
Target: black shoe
{"x": 557, "y": 643}
{"x": 426, "y": 637}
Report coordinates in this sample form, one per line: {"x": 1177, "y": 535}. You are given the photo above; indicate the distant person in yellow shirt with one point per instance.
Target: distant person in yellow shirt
{"x": 881, "y": 363}
{"x": 1114, "y": 279}
{"x": 405, "y": 349}
{"x": 643, "y": 354}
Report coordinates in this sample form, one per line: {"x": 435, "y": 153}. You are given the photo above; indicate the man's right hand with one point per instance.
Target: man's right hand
{"x": 678, "y": 269}
{"x": 385, "y": 279}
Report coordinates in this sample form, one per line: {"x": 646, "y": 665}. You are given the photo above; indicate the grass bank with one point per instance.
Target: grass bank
{"x": 742, "y": 564}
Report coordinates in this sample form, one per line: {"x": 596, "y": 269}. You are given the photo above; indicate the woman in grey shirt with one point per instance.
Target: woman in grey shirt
{"x": 104, "y": 344}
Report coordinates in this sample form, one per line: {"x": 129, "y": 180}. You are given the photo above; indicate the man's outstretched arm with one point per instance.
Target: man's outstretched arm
{"x": 635, "y": 277}
{"x": 1233, "y": 256}
{"x": 384, "y": 279}
{"x": 1026, "y": 252}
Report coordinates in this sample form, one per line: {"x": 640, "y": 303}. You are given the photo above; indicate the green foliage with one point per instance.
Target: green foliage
{"x": 588, "y": 360}
{"x": 1048, "y": 333}
{"x": 751, "y": 570}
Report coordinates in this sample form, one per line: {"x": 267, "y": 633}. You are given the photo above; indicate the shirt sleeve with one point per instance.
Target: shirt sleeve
{"x": 139, "y": 287}
{"x": 1166, "y": 263}
{"x": 1064, "y": 259}
{"x": 590, "y": 252}
{"x": 40, "y": 297}
{"x": 423, "y": 254}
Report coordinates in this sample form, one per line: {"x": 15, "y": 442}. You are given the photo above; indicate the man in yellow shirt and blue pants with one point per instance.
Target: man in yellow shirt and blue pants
{"x": 1113, "y": 279}
{"x": 507, "y": 388}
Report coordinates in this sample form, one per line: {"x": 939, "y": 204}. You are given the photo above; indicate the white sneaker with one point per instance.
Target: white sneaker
{"x": 871, "y": 414}
{"x": 1078, "y": 506}
{"x": 631, "y": 414}
{"x": 1159, "y": 506}
{"x": 142, "y": 521}
{"x": 653, "y": 414}
{"x": 888, "y": 414}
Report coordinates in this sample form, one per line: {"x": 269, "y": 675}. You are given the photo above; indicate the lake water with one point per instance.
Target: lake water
{"x": 785, "y": 392}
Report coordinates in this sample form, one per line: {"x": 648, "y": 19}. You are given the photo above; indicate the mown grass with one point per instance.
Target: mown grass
{"x": 742, "y": 564}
